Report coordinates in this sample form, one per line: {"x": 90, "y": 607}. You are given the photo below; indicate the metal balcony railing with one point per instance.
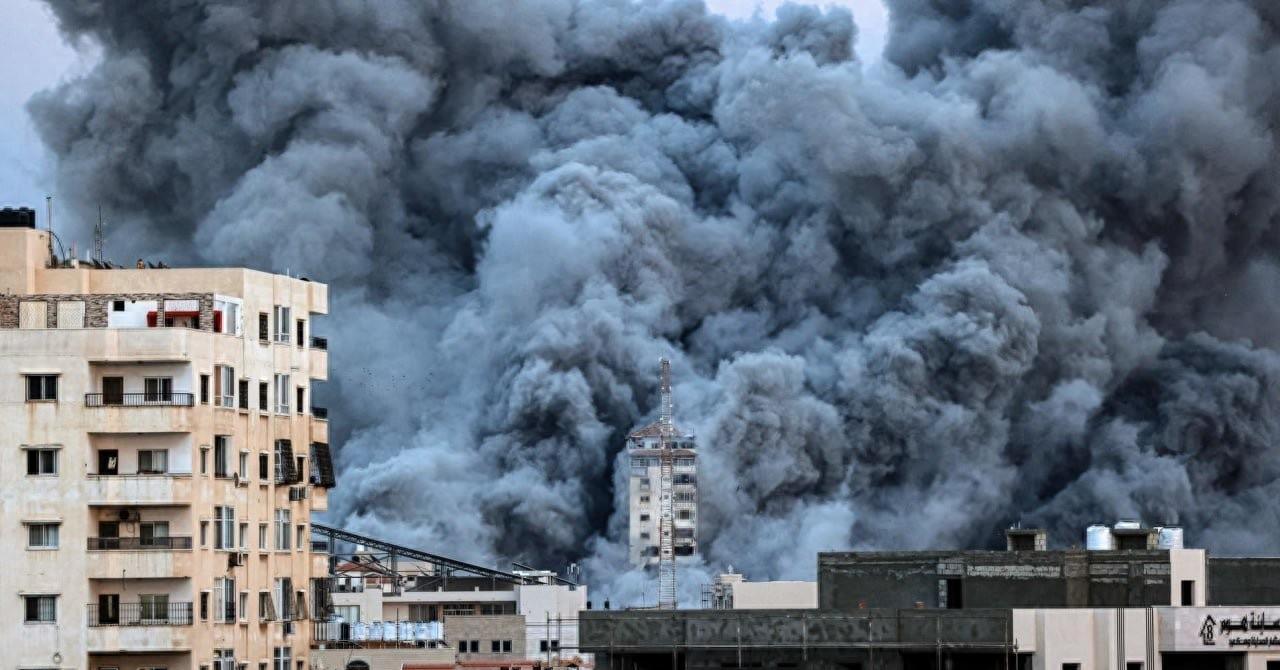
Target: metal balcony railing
{"x": 141, "y": 614}
{"x": 320, "y": 412}
{"x": 321, "y": 343}
{"x": 139, "y": 400}
{"x": 140, "y": 543}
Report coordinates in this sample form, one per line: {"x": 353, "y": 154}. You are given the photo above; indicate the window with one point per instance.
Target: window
{"x": 1137, "y": 665}
{"x": 204, "y": 389}
{"x": 224, "y": 659}
{"x": 224, "y": 599}
{"x": 40, "y": 609}
{"x": 224, "y": 529}
{"x": 155, "y": 607}
{"x": 153, "y": 461}
{"x": 549, "y": 645}
{"x": 263, "y": 394}
{"x": 221, "y": 456}
{"x": 284, "y": 462}
{"x": 244, "y": 605}
{"x": 283, "y": 589}
{"x": 244, "y": 394}
{"x": 42, "y": 536}
{"x": 351, "y": 613}
{"x": 204, "y": 460}
{"x": 644, "y": 536}
{"x": 224, "y": 386}
{"x": 244, "y": 466}
{"x": 158, "y": 389}
{"x": 244, "y": 536}
{"x": 154, "y": 534}
{"x": 474, "y": 647}
{"x": 302, "y": 330}
{"x": 283, "y": 319}
{"x": 1070, "y": 666}
{"x": 644, "y": 499}
{"x": 41, "y": 388}
{"x": 264, "y": 330}
{"x": 301, "y": 400}
{"x": 264, "y": 466}
{"x": 684, "y": 514}
{"x": 42, "y": 462}
{"x": 282, "y": 529}
{"x": 302, "y": 530}
{"x": 117, "y": 305}
{"x": 204, "y": 605}
{"x": 266, "y": 609}
{"x": 204, "y": 533}
{"x": 282, "y": 394}
{"x": 644, "y": 517}
{"x": 262, "y": 536}
{"x": 1188, "y": 592}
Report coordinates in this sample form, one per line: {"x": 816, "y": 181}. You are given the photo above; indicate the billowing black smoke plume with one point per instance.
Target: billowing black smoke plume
{"x": 1024, "y": 270}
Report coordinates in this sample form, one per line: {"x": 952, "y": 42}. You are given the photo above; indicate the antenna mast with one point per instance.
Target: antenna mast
{"x": 48, "y": 211}
{"x": 666, "y": 519}
{"x": 97, "y": 235}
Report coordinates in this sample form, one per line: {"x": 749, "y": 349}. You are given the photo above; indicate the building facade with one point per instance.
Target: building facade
{"x": 160, "y": 461}
{"x": 1137, "y": 601}
{"x": 732, "y": 591}
{"x": 646, "y": 450}
{"x": 475, "y": 622}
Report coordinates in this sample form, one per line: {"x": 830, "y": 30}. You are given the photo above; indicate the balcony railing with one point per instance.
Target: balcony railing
{"x": 139, "y": 400}
{"x": 140, "y": 543}
{"x": 321, "y": 343}
{"x": 141, "y": 614}
{"x": 320, "y": 412}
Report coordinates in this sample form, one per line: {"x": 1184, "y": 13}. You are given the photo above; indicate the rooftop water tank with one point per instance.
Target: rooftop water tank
{"x": 1169, "y": 537}
{"x": 1098, "y": 538}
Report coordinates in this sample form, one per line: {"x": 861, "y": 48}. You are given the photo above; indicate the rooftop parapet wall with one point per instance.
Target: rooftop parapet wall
{"x": 606, "y": 631}
{"x": 847, "y": 581}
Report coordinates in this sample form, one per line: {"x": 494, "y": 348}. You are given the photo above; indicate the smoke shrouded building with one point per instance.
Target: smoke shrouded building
{"x": 647, "y": 448}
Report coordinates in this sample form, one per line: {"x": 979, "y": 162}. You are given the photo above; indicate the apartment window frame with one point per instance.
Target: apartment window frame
{"x": 152, "y": 456}
{"x": 222, "y": 456}
{"x": 264, "y": 328}
{"x": 283, "y": 315}
{"x": 224, "y": 527}
{"x": 39, "y": 608}
{"x": 263, "y": 536}
{"x": 264, "y": 396}
{"x": 44, "y": 460}
{"x": 45, "y": 530}
{"x": 41, "y": 386}
{"x": 283, "y": 386}
{"x": 302, "y": 331}
{"x": 283, "y": 529}
{"x": 157, "y": 389}
{"x": 242, "y": 389}
{"x": 224, "y": 386}
{"x": 204, "y": 389}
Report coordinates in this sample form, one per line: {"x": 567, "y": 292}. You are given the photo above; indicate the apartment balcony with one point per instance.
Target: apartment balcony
{"x": 134, "y": 615}
{"x": 139, "y": 628}
{"x": 318, "y": 362}
{"x": 140, "y": 412}
{"x": 319, "y": 426}
{"x": 138, "y": 490}
{"x": 139, "y": 558}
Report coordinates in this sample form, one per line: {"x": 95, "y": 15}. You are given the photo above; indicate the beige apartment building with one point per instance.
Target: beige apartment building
{"x": 159, "y": 463}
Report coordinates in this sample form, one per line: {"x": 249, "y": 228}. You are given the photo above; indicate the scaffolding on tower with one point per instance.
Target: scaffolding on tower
{"x": 666, "y": 522}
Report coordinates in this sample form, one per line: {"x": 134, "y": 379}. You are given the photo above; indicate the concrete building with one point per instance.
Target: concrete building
{"x": 732, "y": 591}
{"x": 1142, "y": 602}
{"x": 473, "y": 616}
{"x": 161, "y": 462}
{"x": 647, "y": 448}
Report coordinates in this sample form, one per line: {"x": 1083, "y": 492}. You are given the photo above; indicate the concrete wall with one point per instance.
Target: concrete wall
{"x": 486, "y": 629}
{"x": 1243, "y": 581}
{"x": 775, "y": 595}
{"x": 378, "y": 659}
{"x": 848, "y": 581}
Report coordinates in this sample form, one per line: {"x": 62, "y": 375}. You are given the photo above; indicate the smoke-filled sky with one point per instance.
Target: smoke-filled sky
{"x": 1020, "y": 271}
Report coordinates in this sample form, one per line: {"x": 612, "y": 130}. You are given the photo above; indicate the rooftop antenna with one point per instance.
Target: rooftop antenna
{"x": 48, "y": 212}
{"x": 97, "y": 235}
{"x": 666, "y": 518}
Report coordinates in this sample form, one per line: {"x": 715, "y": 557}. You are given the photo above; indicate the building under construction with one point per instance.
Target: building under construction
{"x": 663, "y": 493}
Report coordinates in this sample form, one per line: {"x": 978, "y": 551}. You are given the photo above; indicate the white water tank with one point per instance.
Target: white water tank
{"x": 1098, "y": 538}
{"x": 1169, "y": 537}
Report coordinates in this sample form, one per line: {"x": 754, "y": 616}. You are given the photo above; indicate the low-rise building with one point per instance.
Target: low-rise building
{"x": 730, "y": 591}
{"x": 1138, "y": 601}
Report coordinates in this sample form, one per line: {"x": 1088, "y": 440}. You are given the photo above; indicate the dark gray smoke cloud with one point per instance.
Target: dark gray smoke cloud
{"x": 1023, "y": 270}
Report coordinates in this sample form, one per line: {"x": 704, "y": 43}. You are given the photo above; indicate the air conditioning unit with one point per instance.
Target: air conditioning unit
{"x": 130, "y": 515}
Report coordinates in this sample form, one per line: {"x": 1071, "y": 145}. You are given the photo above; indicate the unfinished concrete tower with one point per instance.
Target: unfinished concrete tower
{"x": 663, "y": 493}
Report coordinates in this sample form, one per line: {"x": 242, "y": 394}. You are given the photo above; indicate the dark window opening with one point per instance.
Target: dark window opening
{"x": 263, "y": 394}
{"x": 264, "y": 330}
{"x": 117, "y": 305}
{"x": 1188, "y": 592}
{"x": 955, "y": 594}
{"x": 204, "y": 389}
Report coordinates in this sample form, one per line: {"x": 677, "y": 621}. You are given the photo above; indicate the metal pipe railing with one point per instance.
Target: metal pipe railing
{"x": 140, "y": 543}
{"x": 158, "y": 399}
{"x": 141, "y": 614}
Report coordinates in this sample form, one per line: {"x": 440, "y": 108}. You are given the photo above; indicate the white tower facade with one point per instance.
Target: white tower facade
{"x": 647, "y": 449}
